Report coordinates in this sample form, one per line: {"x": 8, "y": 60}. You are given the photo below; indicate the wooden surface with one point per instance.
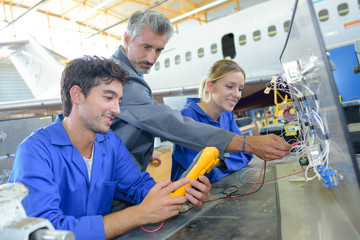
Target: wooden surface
{"x": 247, "y": 127}
{"x": 161, "y": 172}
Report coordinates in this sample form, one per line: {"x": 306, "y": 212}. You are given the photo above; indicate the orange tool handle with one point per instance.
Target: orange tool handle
{"x": 202, "y": 164}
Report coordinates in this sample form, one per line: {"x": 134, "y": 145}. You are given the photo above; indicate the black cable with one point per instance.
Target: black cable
{"x": 228, "y": 195}
{"x": 232, "y": 193}
{"x": 262, "y": 184}
{"x": 289, "y": 31}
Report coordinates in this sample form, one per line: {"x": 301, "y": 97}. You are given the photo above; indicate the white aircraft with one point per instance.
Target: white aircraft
{"x": 253, "y": 37}
{"x": 40, "y": 71}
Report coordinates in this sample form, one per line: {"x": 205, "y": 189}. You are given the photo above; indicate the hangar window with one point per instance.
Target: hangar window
{"x": 343, "y": 9}
{"x": 177, "y": 59}
{"x": 286, "y": 25}
{"x": 200, "y": 52}
{"x": 188, "y": 56}
{"x": 213, "y": 48}
{"x": 167, "y": 62}
{"x": 323, "y": 15}
{"x": 257, "y": 35}
{"x": 272, "y": 30}
{"x": 242, "y": 39}
{"x": 157, "y": 66}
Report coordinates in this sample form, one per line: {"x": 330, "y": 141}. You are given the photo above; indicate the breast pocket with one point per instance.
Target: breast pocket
{"x": 106, "y": 197}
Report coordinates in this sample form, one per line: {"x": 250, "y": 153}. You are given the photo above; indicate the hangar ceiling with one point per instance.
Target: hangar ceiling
{"x": 109, "y": 17}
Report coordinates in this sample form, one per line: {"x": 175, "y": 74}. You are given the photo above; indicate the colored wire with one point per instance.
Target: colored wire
{"x": 152, "y": 231}
{"x": 273, "y": 180}
{"x": 314, "y": 135}
{"x": 283, "y": 177}
{"x": 230, "y": 195}
{"x": 263, "y": 170}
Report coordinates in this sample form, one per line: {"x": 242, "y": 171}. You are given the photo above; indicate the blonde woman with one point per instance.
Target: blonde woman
{"x": 219, "y": 93}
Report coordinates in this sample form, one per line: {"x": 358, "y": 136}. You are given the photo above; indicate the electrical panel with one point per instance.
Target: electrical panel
{"x": 319, "y": 135}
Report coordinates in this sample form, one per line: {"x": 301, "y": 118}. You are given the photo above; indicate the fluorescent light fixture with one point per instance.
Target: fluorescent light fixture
{"x": 92, "y": 10}
{"x": 196, "y": 10}
{"x": 102, "y": 4}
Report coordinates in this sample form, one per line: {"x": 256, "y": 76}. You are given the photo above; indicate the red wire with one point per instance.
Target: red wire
{"x": 152, "y": 231}
{"x": 294, "y": 144}
{"x": 212, "y": 199}
{"x": 234, "y": 196}
{"x": 284, "y": 176}
{"x": 262, "y": 168}
{"x": 274, "y": 178}
{"x": 157, "y": 229}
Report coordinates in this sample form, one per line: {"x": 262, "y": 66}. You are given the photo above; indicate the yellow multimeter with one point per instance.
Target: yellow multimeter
{"x": 202, "y": 163}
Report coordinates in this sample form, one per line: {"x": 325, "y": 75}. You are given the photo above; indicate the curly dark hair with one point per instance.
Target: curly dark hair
{"x": 88, "y": 72}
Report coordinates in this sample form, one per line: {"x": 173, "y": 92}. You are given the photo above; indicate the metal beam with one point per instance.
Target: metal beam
{"x": 124, "y": 20}
{"x": 153, "y": 6}
{"x": 29, "y": 10}
{"x": 67, "y": 19}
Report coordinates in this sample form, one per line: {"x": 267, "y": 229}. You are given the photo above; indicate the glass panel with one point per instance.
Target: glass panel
{"x": 323, "y": 15}
{"x": 200, "y": 52}
{"x": 286, "y": 25}
{"x": 188, "y": 56}
{"x": 157, "y": 66}
{"x": 257, "y": 35}
{"x": 242, "y": 39}
{"x": 272, "y": 30}
{"x": 177, "y": 59}
{"x": 213, "y": 48}
{"x": 343, "y": 9}
{"x": 167, "y": 62}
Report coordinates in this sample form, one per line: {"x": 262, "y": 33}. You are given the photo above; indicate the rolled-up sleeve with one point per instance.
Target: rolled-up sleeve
{"x": 163, "y": 122}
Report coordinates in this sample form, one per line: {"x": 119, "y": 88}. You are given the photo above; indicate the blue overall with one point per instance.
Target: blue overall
{"x": 54, "y": 171}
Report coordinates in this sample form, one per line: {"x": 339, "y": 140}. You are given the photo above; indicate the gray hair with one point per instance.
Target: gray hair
{"x": 156, "y": 21}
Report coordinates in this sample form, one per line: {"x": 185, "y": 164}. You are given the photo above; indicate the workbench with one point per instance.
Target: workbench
{"x": 288, "y": 209}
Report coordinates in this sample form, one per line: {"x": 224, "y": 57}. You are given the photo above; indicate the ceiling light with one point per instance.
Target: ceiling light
{"x": 175, "y": 19}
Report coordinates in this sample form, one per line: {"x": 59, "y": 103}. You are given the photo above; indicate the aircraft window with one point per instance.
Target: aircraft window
{"x": 157, "y": 66}
{"x": 213, "y": 48}
{"x": 286, "y": 25}
{"x": 200, "y": 52}
{"x": 177, "y": 59}
{"x": 343, "y": 9}
{"x": 188, "y": 56}
{"x": 228, "y": 45}
{"x": 323, "y": 15}
{"x": 167, "y": 62}
{"x": 242, "y": 39}
{"x": 272, "y": 30}
{"x": 257, "y": 35}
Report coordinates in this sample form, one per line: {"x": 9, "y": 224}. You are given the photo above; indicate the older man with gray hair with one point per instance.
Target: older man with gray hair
{"x": 142, "y": 118}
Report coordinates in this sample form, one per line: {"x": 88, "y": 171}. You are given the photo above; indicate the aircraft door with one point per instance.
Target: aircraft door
{"x": 228, "y": 46}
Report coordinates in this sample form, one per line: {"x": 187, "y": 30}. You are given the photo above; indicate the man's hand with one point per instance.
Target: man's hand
{"x": 155, "y": 158}
{"x": 199, "y": 191}
{"x": 267, "y": 147}
{"x": 158, "y": 205}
